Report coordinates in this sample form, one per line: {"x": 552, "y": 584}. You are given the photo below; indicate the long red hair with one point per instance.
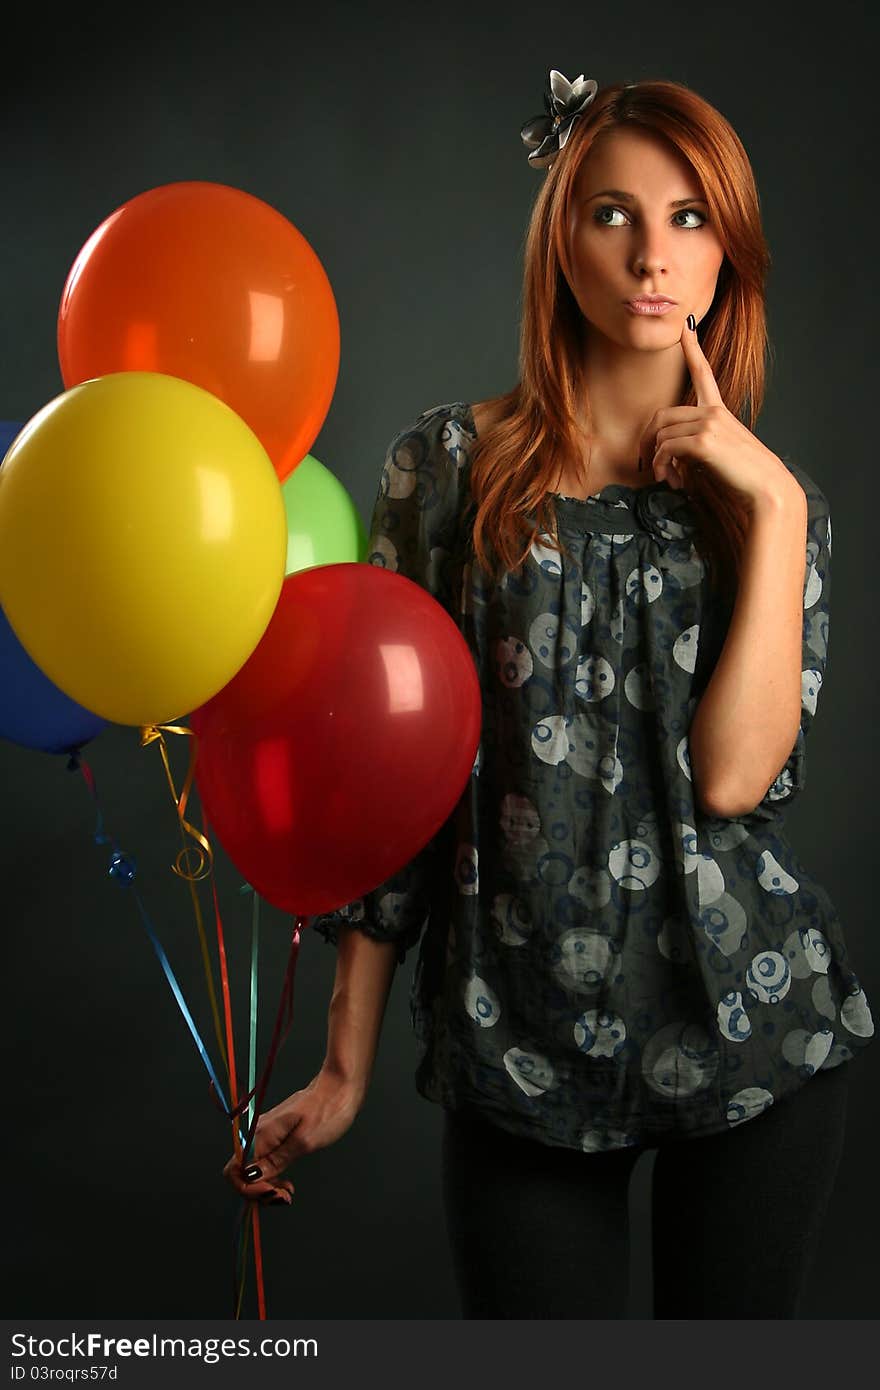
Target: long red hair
{"x": 519, "y": 457}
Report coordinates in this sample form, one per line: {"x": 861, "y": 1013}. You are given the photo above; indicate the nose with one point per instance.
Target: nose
{"x": 649, "y": 263}
{"x": 651, "y": 256}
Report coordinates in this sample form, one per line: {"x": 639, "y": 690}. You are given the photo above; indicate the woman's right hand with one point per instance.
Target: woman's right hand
{"x": 307, "y": 1120}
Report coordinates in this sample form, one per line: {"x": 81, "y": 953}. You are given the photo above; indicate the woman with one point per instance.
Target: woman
{"x": 618, "y": 948}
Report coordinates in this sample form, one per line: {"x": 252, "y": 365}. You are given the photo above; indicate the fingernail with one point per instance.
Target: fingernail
{"x": 279, "y": 1201}
{"x": 252, "y": 1173}
{"x": 640, "y": 465}
{"x": 692, "y": 322}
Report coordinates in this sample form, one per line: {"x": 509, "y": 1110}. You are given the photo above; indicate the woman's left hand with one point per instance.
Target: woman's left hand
{"x": 706, "y": 435}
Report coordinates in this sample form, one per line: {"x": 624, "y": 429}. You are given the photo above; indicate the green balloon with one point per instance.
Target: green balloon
{"x": 323, "y": 524}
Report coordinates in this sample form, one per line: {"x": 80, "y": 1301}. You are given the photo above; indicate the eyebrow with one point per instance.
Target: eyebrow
{"x": 631, "y": 198}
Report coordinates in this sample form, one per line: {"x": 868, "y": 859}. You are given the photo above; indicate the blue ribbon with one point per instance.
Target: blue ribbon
{"x": 123, "y": 869}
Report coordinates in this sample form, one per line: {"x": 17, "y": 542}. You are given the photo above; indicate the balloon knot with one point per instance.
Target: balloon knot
{"x": 122, "y": 868}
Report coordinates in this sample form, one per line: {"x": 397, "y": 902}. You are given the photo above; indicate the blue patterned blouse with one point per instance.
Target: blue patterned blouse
{"x": 602, "y": 963}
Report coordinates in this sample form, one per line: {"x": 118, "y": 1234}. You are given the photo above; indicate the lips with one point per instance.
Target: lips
{"x": 649, "y": 308}
{"x": 650, "y": 299}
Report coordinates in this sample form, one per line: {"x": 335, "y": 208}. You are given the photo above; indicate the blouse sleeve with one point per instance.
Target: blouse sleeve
{"x": 412, "y": 532}
{"x": 792, "y": 778}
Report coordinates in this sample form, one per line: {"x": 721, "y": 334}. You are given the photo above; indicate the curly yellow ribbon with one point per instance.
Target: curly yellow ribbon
{"x": 152, "y": 733}
{"x": 149, "y": 734}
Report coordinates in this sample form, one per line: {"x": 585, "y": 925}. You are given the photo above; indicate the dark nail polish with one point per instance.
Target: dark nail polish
{"x": 252, "y": 1173}
{"x": 640, "y": 465}
{"x": 692, "y": 323}
{"x": 279, "y": 1201}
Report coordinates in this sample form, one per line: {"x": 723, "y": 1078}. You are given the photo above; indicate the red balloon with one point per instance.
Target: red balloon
{"x": 344, "y": 742}
{"x": 208, "y": 283}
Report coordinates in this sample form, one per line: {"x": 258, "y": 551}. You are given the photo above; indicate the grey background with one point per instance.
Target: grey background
{"x": 390, "y": 138}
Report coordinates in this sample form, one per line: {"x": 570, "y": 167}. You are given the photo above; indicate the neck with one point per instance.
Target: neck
{"x": 625, "y": 389}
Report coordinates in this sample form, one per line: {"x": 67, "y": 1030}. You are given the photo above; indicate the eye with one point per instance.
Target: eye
{"x": 682, "y": 212}
{"x": 693, "y": 212}
{"x": 606, "y": 207}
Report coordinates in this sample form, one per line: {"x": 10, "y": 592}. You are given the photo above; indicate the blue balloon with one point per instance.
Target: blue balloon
{"x": 33, "y": 711}
{"x": 8, "y": 430}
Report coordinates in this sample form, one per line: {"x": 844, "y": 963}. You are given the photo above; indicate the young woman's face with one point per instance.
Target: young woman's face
{"x": 642, "y": 245}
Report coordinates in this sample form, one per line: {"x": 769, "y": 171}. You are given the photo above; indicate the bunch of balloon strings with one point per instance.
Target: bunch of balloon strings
{"x": 123, "y": 869}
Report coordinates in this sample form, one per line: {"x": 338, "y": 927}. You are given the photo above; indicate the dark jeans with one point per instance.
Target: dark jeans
{"x": 538, "y": 1231}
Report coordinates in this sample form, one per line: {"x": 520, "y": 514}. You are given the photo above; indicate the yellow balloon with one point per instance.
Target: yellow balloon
{"x": 143, "y": 541}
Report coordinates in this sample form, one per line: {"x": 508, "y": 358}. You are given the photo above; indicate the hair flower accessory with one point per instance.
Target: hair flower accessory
{"x": 564, "y": 101}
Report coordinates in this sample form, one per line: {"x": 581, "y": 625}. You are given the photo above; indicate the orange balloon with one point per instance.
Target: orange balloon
{"x": 202, "y": 281}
